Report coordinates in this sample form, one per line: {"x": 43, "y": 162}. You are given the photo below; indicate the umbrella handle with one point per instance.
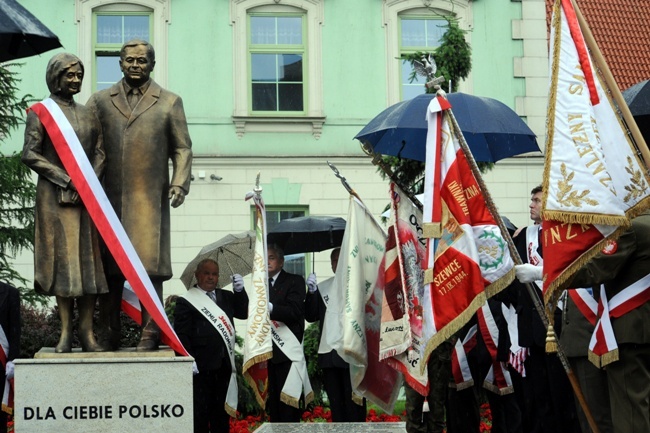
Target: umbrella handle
{"x": 226, "y": 260}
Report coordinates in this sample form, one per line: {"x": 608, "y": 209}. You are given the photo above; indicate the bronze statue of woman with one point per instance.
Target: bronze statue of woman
{"x": 67, "y": 260}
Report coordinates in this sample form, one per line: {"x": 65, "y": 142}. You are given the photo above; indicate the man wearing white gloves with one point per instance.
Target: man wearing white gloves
{"x": 286, "y": 305}
{"x": 208, "y": 345}
{"x": 547, "y": 403}
{"x": 336, "y": 372}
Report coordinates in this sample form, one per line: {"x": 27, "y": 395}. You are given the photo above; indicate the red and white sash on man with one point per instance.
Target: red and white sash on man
{"x": 603, "y": 348}
{"x": 8, "y": 395}
{"x": 498, "y": 379}
{"x": 459, "y": 366}
{"x": 297, "y": 380}
{"x": 74, "y": 159}
{"x": 219, "y": 319}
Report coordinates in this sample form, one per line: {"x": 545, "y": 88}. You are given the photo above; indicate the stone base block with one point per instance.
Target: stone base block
{"x": 105, "y": 392}
{"x": 333, "y": 427}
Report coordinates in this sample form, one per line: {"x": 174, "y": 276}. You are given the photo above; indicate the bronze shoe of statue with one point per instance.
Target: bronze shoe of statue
{"x": 150, "y": 338}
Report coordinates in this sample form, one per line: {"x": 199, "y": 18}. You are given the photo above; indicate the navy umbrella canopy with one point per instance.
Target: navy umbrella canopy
{"x": 637, "y": 98}
{"x": 22, "y": 34}
{"x": 493, "y": 131}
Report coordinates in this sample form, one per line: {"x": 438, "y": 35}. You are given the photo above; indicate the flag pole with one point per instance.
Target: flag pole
{"x": 641, "y": 145}
{"x": 517, "y": 259}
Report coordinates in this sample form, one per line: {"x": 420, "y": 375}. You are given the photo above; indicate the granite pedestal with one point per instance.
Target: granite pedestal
{"x": 333, "y": 427}
{"x": 105, "y": 392}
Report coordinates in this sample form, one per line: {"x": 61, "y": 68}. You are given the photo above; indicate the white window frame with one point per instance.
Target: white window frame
{"x": 161, "y": 14}
{"x": 392, "y": 9}
{"x": 313, "y": 118}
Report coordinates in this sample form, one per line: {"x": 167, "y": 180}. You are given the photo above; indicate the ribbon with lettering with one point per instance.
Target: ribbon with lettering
{"x": 594, "y": 183}
{"x": 8, "y": 394}
{"x": 68, "y": 148}
{"x": 297, "y": 380}
{"x": 219, "y": 319}
{"x": 258, "y": 348}
{"x": 603, "y": 348}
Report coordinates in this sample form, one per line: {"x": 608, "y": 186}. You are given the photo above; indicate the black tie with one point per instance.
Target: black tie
{"x": 270, "y": 283}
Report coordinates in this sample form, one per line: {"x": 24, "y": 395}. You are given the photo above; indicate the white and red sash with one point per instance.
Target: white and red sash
{"x": 603, "y": 348}
{"x": 297, "y": 380}
{"x": 498, "y": 379}
{"x": 459, "y": 365}
{"x": 8, "y": 395}
{"x": 219, "y": 319}
{"x": 324, "y": 290}
{"x": 74, "y": 159}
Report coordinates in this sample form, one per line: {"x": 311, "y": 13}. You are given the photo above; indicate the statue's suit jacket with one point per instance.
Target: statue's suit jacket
{"x": 138, "y": 147}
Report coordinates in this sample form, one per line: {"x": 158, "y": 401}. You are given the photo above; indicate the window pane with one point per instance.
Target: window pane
{"x": 264, "y": 67}
{"x": 413, "y": 34}
{"x": 136, "y": 27}
{"x": 290, "y": 67}
{"x": 290, "y": 30}
{"x": 109, "y": 29}
{"x": 108, "y": 71}
{"x": 290, "y": 97}
{"x": 264, "y": 97}
{"x": 263, "y": 30}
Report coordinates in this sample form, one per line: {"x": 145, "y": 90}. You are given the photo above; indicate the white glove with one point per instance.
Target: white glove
{"x": 528, "y": 273}
{"x": 270, "y": 308}
{"x": 237, "y": 283}
{"x": 311, "y": 283}
{"x": 9, "y": 370}
{"x": 195, "y": 368}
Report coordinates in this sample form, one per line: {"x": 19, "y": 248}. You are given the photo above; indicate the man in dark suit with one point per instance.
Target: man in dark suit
{"x": 547, "y": 403}
{"x": 205, "y": 343}
{"x": 336, "y": 372}
{"x": 144, "y": 127}
{"x": 286, "y": 305}
{"x": 10, "y": 324}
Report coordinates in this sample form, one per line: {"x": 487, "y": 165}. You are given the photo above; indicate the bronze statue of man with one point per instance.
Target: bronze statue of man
{"x": 144, "y": 127}
{"x": 67, "y": 258}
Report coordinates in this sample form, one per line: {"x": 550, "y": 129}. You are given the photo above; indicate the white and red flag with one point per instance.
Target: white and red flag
{"x": 594, "y": 183}
{"x": 258, "y": 346}
{"x": 467, "y": 258}
{"x": 401, "y": 318}
{"x": 353, "y": 316}
{"x": 67, "y": 146}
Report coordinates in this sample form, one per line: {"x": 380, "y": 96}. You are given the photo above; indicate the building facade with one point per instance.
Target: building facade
{"x": 280, "y": 87}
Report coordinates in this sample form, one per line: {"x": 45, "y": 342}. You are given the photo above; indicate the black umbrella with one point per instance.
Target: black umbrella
{"x": 492, "y": 129}
{"x": 307, "y": 234}
{"x": 637, "y": 98}
{"x": 21, "y": 34}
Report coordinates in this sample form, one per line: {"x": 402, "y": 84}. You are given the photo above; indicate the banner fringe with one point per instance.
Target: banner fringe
{"x": 452, "y": 327}
{"x": 496, "y": 390}
{"x": 291, "y": 401}
{"x": 230, "y": 411}
{"x": 587, "y": 218}
{"x": 564, "y": 279}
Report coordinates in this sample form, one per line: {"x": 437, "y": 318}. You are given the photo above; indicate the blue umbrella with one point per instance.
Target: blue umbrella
{"x": 493, "y": 131}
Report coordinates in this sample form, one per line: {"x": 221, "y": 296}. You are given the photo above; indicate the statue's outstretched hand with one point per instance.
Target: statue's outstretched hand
{"x": 176, "y": 195}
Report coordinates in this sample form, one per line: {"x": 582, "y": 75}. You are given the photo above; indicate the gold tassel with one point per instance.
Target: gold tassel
{"x": 551, "y": 342}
